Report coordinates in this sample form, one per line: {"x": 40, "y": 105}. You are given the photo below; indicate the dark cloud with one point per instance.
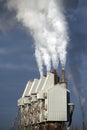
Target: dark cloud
{"x": 7, "y": 18}
{"x": 78, "y": 41}
{"x": 71, "y": 4}
{"x": 77, "y": 55}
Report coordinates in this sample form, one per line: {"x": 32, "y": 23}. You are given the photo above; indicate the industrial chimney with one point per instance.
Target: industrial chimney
{"x": 63, "y": 75}
{"x": 55, "y": 77}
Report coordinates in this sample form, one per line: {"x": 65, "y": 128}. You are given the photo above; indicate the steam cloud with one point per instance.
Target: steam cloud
{"x": 47, "y": 24}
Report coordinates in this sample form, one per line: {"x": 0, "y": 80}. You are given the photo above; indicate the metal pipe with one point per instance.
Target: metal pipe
{"x": 55, "y": 77}
{"x": 63, "y": 75}
{"x": 71, "y": 114}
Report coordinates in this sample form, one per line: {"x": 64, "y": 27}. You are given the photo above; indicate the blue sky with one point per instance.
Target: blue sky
{"x": 18, "y": 64}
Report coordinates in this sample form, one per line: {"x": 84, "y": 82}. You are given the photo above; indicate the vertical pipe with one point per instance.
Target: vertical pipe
{"x": 55, "y": 77}
{"x": 71, "y": 114}
{"x": 63, "y": 75}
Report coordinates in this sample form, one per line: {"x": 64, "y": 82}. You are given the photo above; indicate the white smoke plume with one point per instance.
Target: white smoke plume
{"x": 47, "y": 23}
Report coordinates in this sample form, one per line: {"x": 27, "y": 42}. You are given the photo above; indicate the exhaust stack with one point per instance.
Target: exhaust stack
{"x": 55, "y": 77}
{"x": 63, "y": 75}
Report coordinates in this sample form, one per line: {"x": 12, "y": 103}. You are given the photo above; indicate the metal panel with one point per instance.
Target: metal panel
{"x": 33, "y": 97}
{"x": 40, "y": 95}
{"x": 33, "y": 87}
{"x": 38, "y": 88}
{"x": 26, "y": 100}
{"x": 20, "y": 102}
{"x": 49, "y": 82}
{"x": 40, "y": 84}
{"x": 27, "y": 89}
{"x": 57, "y": 104}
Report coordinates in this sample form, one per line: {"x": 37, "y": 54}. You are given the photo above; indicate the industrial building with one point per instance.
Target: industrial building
{"x": 45, "y": 104}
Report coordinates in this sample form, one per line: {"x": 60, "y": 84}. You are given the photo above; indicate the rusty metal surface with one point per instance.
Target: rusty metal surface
{"x": 47, "y": 126}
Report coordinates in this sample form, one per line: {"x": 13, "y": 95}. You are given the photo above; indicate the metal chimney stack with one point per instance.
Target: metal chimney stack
{"x": 55, "y": 77}
{"x": 63, "y": 75}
